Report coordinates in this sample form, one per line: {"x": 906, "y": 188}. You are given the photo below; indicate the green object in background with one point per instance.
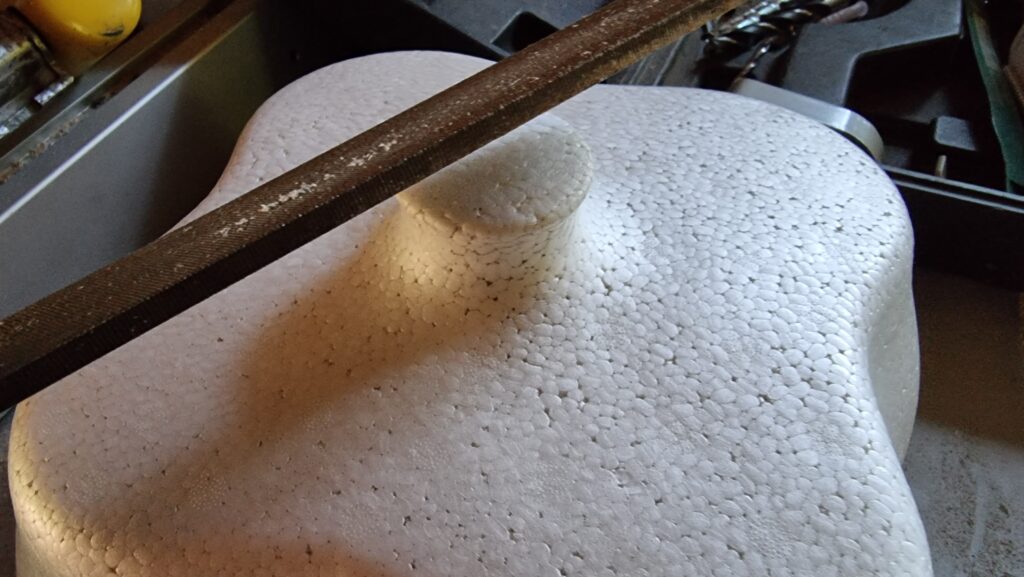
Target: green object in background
{"x": 1006, "y": 118}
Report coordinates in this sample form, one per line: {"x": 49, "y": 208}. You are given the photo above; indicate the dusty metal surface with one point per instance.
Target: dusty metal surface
{"x": 76, "y": 325}
{"x": 966, "y": 457}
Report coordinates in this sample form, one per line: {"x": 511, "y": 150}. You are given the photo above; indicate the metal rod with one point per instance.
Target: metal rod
{"x": 76, "y": 325}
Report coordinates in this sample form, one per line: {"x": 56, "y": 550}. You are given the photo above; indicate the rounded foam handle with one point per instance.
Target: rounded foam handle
{"x": 701, "y": 361}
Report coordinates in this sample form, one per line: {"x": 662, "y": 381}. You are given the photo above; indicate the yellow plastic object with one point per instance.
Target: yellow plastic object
{"x": 79, "y": 32}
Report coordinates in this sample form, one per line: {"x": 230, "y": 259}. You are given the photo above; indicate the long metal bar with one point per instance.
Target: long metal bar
{"x": 76, "y": 325}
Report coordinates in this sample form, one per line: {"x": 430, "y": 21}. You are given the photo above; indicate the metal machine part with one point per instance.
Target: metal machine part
{"x": 28, "y": 77}
{"x": 853, "y": 126}
{"x": 851, "y": 13}
{"x": 824, "y": 61}
{"x": 746, "y": 15}
{"x": 762, "y": 21}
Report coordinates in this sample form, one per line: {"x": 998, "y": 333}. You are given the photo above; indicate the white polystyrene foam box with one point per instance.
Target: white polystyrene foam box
{"x": 654, "y": 332}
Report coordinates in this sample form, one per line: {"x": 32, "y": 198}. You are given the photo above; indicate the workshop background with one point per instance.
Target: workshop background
{"x": 99, "y": 154}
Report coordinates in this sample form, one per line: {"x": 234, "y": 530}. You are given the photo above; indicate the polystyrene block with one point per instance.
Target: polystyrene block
{"x": 654, "y": 332}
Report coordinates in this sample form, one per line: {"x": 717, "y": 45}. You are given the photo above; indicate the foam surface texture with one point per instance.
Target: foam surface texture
{"x": 670, "y": 333}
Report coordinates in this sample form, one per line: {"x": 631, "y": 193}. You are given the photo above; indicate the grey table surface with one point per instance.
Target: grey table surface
{"x": 966, "y": 458}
